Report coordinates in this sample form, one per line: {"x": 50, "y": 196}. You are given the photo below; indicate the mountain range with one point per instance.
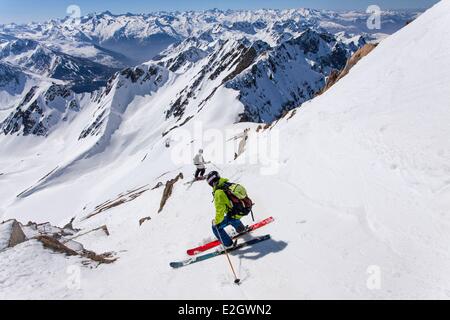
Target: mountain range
{"x": 274, "y": 59}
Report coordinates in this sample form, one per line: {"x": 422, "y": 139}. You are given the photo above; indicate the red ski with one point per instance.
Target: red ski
{"x": 215, "y": 243}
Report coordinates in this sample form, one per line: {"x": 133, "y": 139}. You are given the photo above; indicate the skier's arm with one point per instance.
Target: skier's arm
{"x": 221, "y": 204}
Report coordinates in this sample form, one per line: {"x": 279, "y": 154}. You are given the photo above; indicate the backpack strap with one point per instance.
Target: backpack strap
{"x": 226, "y": 188}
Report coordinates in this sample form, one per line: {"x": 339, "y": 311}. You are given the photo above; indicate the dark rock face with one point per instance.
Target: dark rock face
{"x": 38, "y": 112}
{"x": 270, "y": 80}
{"x": 132, "y": 74}
{"x": 248, "y": 57}
{"x": 288, "y": 75}
{"x": 56, "y": 91}
{"x": 219, "y": 64}
{"x": 73, "y": 105}
{"x": 28, "y": 120}
{"x": 10, "y": 75}
{"x": 192, "y": 55}
{"x": 137, "y": 73}
{"x": 309, "y": 41}
{"x": 94, "y": 127}
{"x": 18, "y": 46}
{"x": 176, "y": 110}
{"x": 245, "y": 27}
{"x": 28, "y": 96}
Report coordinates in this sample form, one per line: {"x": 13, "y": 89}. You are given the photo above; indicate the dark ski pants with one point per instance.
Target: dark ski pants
{"x": 220, "y": 233}
{"x": 200, "y": 172}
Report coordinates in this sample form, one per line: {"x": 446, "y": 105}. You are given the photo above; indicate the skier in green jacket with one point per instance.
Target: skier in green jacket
{"x": 224, "y": 213}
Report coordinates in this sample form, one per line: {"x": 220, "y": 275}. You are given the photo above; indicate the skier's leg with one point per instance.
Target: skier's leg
{"x": 237, "y": 225}
{"x": 196, "y": 173}
{"x": 221, "y": 234}
{"x": 202, "y": 172}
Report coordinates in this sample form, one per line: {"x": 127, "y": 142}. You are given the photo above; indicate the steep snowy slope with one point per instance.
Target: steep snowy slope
{"x": 358, "y": 183}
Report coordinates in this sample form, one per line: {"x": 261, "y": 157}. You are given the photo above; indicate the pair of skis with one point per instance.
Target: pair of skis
{"x": 190, "y": 183}
{"x": 216, "y": 243}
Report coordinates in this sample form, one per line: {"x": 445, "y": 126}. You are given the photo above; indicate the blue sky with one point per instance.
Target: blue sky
{"x": 31, "y": 10}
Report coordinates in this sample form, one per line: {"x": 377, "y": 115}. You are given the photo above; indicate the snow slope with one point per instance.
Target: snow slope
{"x": 362, "y": 184}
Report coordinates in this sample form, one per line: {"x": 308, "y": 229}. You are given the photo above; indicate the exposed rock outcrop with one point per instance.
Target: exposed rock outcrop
{"x": 11, "y": 234}
{"x": 54, "y": 238}
{"x": 335, "y": 75}
{"x": 39, "y": 111}
{"x": 159, "y": 184}
{"x": 284, "y": 76}
{"x": 104, "y": 228}
{"x": 142, "y": 220}
{"x": 70, "y": 226}
{"x": 55, "y": 245}
{"x": 168, "y": 190}
{"x": 122, "y": 198}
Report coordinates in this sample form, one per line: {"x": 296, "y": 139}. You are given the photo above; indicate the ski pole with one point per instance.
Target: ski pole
{"x": 215, "y": 166}
{"x": 236, "y": 279}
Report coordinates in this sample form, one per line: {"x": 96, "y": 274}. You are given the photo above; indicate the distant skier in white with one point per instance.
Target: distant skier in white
{"x": 199, "y": 163}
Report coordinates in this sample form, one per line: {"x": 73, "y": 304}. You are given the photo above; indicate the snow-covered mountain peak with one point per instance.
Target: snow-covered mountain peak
{"x": 160, "y": 29}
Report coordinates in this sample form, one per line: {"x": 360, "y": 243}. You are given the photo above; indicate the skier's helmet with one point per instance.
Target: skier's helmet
{"x": 200, "y": 151}
{"x": 212, "y": 178}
